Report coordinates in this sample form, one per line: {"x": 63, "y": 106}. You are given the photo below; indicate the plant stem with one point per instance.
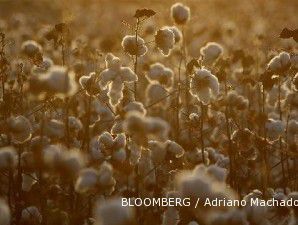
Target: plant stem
{"x": 136, "y": 58}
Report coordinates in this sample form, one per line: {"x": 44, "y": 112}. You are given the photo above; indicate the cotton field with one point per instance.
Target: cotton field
{"x": 151, "y": 112}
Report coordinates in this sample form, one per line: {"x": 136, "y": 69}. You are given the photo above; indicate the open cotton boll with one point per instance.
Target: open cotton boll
{"x": 133, "y": 47}
{"x": 8, "y": 158}
{"x": 143, "y": 128}
{"x": 4, "y": 213}
{"x": 180, "y": 13}
{"x": 54, "y": 129}
{"x": 211, "y": 52}
{"x": 72, "y": 162}
{"x": 95, "y": 149}
{"x": 28, "y": 180}
{"x": 204, "y": 85}
{"x": 158, "y": 72}
{"x": 280, "y": 62}
{"x": 31, "y": 215}
{"x": 170, "y": 216}
{"x": 90, "y": 84}
{"x": 177, "y": 33}
{"x": 157, "y": 95}
{"x": 165, "y": 40}
{"x": 236, "y": 101}
{"x": 31, "y": 48}
{"x": 174, "y": 148}
{"x": 158, "y": 151}
{"x": 20, "y": 129}
{"x": 87, "y": 180}
{"x": 44, "y": 66}
{"x": 57, "y": 81}
{"x": 274, "y": 128}
{"x": 115, "y": 75}
{"x": 135, "y": 106}
{"x": 111, "y": 212}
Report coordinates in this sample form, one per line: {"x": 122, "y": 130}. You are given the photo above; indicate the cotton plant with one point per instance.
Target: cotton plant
{"x": 165, "y": 40}
{"x": 114, "y": 77}
{"x": 180, "y": 13}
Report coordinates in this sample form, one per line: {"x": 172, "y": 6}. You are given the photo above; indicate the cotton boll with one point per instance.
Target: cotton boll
{"x": 8, "y": 158}
{"x": 135, "y": 106}
{"x": 204, "y": 85}
{"x": 54, "y": 129}
{"x": 180, "y": 13}
{"x": 71, "y": 162}
{"x": 274, "y": 128}
{"x": 95, "y": 149}
{"x": 87, "y": 180}
{"x": 112, "y": 212}
{"x": 115, "y": 75}
{"x": 31, "y": 48}
{"x": 5, "y": 213}
{"x": 28, "y": 180}
{"x": 142, "y": 128}
{"x": 158, "y": 72}
{"x": 20, "y": 129}
{"x": 133, "y": 47}
{"x": 158, "y": 151}
{"x": 174, "y": 148}
{"x": 57, "y": 80}
{"x": 74, "y": 124}
{"x": 119, "y": 155}
{"x": 106, "y": 179}
{"x": 177, "y": 34}
{"x": 220, "y": 174}
{"x": 211, "y": 52}
{"x": 44, "y": 66}
{"x": 31, "y": 215}
{"x": 157, "y": 95}
{"x": 280, "y": 62}
{"x": 165, "y": 40}
{"x": 170, "y": 216}
{"x": 236, "y": 101}
{"x": 90, "y": 84}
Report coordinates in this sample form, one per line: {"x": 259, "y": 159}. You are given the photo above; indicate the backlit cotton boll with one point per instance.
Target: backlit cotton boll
{"x": 87, "y": 180}
{"x": 4, "y": 213}
{"x": 90, "y": 83}
{"x": 211, "y": 52}
{"x": 158, "y": 72}
{"x": 111, "y": 212}
{"x": 180, "y": 13}
{"x": 31, "y": 48}
{"x": 157, "y": 95}
{"x": 20, "y": 129}
{"x": 31, "y": 215}
{"x": 165, "y": 40}
{"x": 133, "y": 47}
{"x": 174, "y": 148}
{"x": 204, "y": 85}
{"x": 57, "y": 80}
{"x": 114, "y": 76}
{"x": 8, "y": 157}
{"x": 280, "y": 62}
{"x": 274, "y": 128}
{"x": 135, "y": 106}
{"x": 143, "y": 128}
{"x": 177, "y": 33}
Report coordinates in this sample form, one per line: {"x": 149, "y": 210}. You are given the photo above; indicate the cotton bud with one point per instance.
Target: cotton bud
{"x": 112, "y": 212}
{"x": 165, "y": 40}
{"x": 158, "y": 72}
{"x": 20, "y": 129}
{"x": 211, "y": 52}
{"x": 204, "y": 85}
{"x": 31, "y": 215}
{"x": 31, "y": 48}
{"x": 8, "y": 158}
{"x": 4, "y": 213}
{"x": 87, "y": 180}
{"x": 133, "y": 47}
{"x": 180, "y": 13}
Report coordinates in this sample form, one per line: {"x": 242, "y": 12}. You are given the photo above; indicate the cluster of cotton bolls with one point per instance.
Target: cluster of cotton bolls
{"x": 154, "y": 106}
